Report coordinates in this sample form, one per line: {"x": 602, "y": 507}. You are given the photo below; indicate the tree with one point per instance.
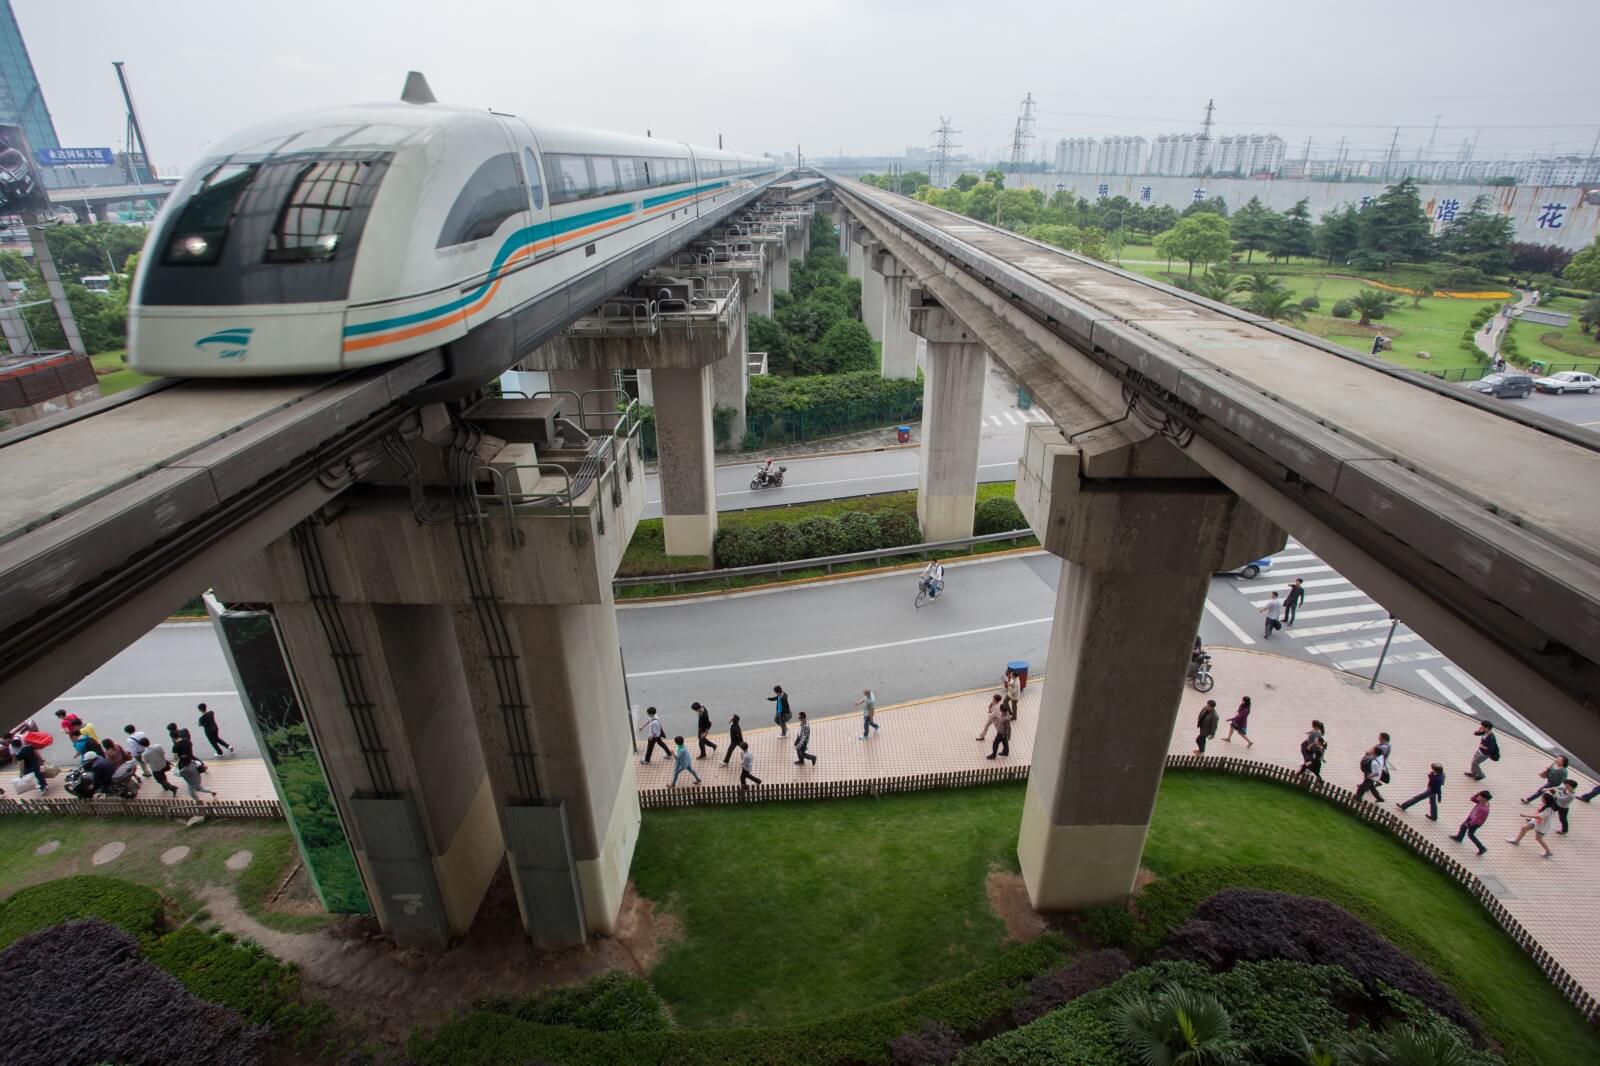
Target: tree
{"x": 1339, "y": 234}
{"x": 1394, "y": 228}
{"x": 1214, "y": 206}
{"x": 1479, "y": 238}
{"x": 1583, "y": 272}
{"x": 995, "y": 177}
{"x": 911, "y": 179}
{"x": 1159, "y": 219}
{"x": 1179, "y": 1027}
{"x": 1422, "y": 289}
{"x": 1259, "y": 281}
{"x": 1061, "y": 236}
{"x": 966, "y": 181}
{"x": 981, "y": 202}
{"x": 1527, "y": 258}
{"x": 1093, "y": 244}
{"x": 92, "y": 249}
{"x": 1252, "y": 227}
{"x": 1293, "y": 234}
{"x": 1276, "y": 305}
{"x": 765, "y": 335}
{"x": 1019, "y": 206}
{"x": 1371, "y": 304}
{"x": 1201, "y": 238}
{"x": 1589, "y": 316}
{"x": 1216, "y": 285}
{"x": 845, "y": 347}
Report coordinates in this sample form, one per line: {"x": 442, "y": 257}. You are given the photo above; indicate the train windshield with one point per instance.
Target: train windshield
{"x": 317, "y": 211}
{"x": 201, "y": 229}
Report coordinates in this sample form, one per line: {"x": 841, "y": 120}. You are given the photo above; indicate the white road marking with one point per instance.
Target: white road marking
{"x": 1010, "y": 418}
{"x": 1316, "y": 582}
{"x": 840, "y": 651}
{"x": 1352, "y": 645}
{"x": 1278, "y": 559}
{"x": 1589, "y": 424}
{"x": 1232, "y": 627}
{"x": 70, "y": 698}
{"x": 1398, "y": 657}
{"x": 1299, "y": 633}
{"x": 1352, "y": 594}
{"x": 1323, "y": 569}
{"x": 1499, "y": 708}
{"x": 1447, "y": 692}
{"x": 1336, "y": 612}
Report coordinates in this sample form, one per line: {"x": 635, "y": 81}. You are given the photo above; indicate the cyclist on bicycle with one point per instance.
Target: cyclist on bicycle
{"x": 933, "y": 579}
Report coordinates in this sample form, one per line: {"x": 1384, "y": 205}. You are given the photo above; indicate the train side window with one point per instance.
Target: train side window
{"x": 569, "y": 178}
{"x": 202, "y": 227}
{"x": 530, "y": 167}
{"x": 492, "y": 195}
{"x": 605, "y": 175}
{"x": 314, "y": 215}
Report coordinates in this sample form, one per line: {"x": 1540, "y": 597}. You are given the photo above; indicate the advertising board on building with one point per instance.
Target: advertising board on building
{"x": 22, "y": 192}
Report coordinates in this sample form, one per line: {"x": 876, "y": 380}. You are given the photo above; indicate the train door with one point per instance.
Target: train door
{"x": 531, "y": 161}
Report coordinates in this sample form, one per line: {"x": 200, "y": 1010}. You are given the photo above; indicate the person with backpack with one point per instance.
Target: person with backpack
{"x": 1488, "y": 750}
{"x": 1433, "y": 793}
{"x": 1478, "y": 815}
{"x": 1207, "y": 726}
{"x": 1313, "y": 748}
{"x": 1371, "y": 774}
{"x": 652, "y": 729}
{"x": 781, "y": 711}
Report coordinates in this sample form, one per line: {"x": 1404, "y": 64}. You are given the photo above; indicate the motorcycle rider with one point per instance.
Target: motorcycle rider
{"x": 933, "y": 579}
{"x": 99, "y": 768}
{"x": 765, "y": 474}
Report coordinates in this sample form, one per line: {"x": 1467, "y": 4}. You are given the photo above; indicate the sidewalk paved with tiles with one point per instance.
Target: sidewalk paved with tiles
{"x": 233, "y": 779}
{"x": 1549, "y": 897}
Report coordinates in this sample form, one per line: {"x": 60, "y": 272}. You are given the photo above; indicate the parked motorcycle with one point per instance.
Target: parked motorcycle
{"x": 80, "y": 783}
{"x": 766, "y": 477}
{"x": 1200, "y": 672}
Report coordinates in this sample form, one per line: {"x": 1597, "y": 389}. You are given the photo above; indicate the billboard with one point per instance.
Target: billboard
{"x": 22, "y": 192}
{"x": 75, "y": 157}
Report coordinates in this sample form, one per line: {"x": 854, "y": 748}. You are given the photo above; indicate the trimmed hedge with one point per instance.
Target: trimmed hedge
{"x": 1342, "y": 309}
{"x": 130, "y": 907}
{"x": 614, "y": 1002}
{"x": 969, "y": 1005}
{"x": 784, "y": 541}
{"x": 774, "y": 395}
{"x": 997, "y": 515}
{"x": 1079, "y": 977}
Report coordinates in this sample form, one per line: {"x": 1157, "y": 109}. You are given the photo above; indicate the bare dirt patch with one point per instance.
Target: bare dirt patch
{"x": 644, "y": 932}
{"x": 1008, "y": 898}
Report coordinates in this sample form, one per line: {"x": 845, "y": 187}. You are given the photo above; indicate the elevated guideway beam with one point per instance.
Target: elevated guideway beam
{"x": 1467, "y": 520}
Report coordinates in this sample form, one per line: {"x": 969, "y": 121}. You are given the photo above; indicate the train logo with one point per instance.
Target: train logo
{"x": 231, "y": 343}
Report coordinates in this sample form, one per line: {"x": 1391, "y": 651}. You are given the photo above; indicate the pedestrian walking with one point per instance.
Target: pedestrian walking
{"x": 703, "y": 729}
{"x": 138, "y": 740}
{"x": 1002, "y": 734}
{"x": 869, "y": 710}
{"x": 997, "y": 706}
{"x": 735, "y": 739}
{"x": 1488, "y": 749}
{"x": 83, "y": 742}
{"x": 781, "y": 711}
{"x": 182, "y": 745}
{"x": 30, "y": 762}
{"x": 208, "y": 726}
{"x": 70, "y": 723}
{"x": 1273, "y": 609}
{"x": 1559, "y": 799}
{"x": 1240, "y": 723}
{"x": 652, "y": 729}
{"x": 1475, "y": 819}
{"x": 1386, "y": 751}
{"x": 1011, "y": 686}
{"x": 802, "y": 741}
{"x": 1553, "y": 775}
{"x": 155, "y": 761}
{"x": 1433, "y": 793}
{"x": 1207, "y": 725}
{"x": 189, "y": 768}
{"x": 747, "y": 765}
{"x": 1292, "y": 602}
{"x": 1371, "y": 774}
{"x": 1313, "y": 748}
{"x": 680, "y": 763}
{"x": 1540, "y": 825}
{"x": 1588, "y": 797}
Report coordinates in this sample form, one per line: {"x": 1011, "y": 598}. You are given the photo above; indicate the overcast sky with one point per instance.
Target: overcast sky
{"x": 867, "y": 77}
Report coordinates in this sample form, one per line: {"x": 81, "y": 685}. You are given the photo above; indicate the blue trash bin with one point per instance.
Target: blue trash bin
{"x": 1020, "y": 668}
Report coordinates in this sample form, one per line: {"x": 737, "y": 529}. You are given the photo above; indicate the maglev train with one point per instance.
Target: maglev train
{"x": 363, "y": 234}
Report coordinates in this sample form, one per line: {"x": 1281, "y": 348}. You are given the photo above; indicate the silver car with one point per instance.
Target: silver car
{"x": 1567, "y": 381}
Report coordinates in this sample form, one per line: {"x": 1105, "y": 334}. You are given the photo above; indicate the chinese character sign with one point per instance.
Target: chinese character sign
{"x": 1550, "y": 216}
{"x": 1144, "y": 193}
{"x": 1446, "y": 210}
{"x": 1199, "y": 194}
{"x": 75, "y": 157}
{"x": 1103, "y": 190}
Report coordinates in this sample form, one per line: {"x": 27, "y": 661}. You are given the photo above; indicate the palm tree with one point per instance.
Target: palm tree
{"x": 1589, "y": 315}
{"x": 1217, "y": 285}
{"x": 1424, "y": 288}
{"x": 1404, "y": 1045}
{"x": 1259, "y": 281}
{"x": 1179, "y": 1027}
{"x": 1371, "y": 304}
{"x": 1276, "y": 305}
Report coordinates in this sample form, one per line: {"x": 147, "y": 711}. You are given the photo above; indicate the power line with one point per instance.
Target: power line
{"x": 1022, "y": 134}
{"x": 944, "y": 148}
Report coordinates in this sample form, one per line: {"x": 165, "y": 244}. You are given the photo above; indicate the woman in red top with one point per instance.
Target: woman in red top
{"x": 1240, "y": 723}
{"x": 1475, "y": 818}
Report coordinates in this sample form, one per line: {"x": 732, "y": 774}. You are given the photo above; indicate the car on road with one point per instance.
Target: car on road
{"x": 1567, "y": 381}
{"x": 1508, "y": 386}
{"x": 1254, "y": 568}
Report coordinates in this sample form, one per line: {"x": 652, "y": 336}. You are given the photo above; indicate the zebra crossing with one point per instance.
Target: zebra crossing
{"x": 1344, "y": 627}
{"x": 1017, "y": 417}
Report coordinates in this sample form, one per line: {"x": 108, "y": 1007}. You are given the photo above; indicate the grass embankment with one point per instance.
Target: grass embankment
{"x": 796, "y": 911}
{"x": 113, "y": 373}
{"x": 1559, "y": 347}
{"x": 271, "y": 846}
{"x": 647, "y": 552}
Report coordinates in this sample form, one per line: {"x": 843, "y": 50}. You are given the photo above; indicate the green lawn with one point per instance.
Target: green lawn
{"x": 113, "y": 373}
{"x": 794, "y": 911}
{"x": 1560, "y": 348}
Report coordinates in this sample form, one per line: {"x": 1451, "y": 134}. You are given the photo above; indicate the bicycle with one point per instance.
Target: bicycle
{"x": 922, "y": 593}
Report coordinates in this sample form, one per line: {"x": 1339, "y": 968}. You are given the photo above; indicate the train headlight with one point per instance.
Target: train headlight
{"x": 193, "y": 247}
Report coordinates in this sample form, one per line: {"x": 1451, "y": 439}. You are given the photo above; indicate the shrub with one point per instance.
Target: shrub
{"x": 997, "y": 515}
{"x": 820, "y": 535}
{"x": 858, "y": 531}
{"x": 738, "y": 546}
{"x": 1079, "y": 977}
{"x": 846, "y": 347}
{"x": 1341, "y": 309}
{"x": 128, "y": 906}
{"x": 780, "y": 542}
{"x": 935, "y": 1044}
{"x": 79, "y": 992}
{"x": 772, "y": 395}
{"x": 614, "y": 1002}
{"x": 1248, "y": 925}
{"x": 1311, "y": 303}
{"x": 239, "y": 975}
{"x": 1107, "y": 924}
{"x": 896, "y": 529}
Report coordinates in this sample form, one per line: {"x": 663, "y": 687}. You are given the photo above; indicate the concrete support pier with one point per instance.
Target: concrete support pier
{"x": 899, "y": 343}
{"x": 872, "y": 292}
{"x": 688, "y": 473}
{"x": 850, "y": 245}
{"x": 952, "y": 418}
{"x": 1138, "y": 556}
{"x": 778, "y": 257}
{"x": 730, "y": 382}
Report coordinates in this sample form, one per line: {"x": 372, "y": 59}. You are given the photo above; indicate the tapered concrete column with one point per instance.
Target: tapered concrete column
{"x": 799, "y": 240}
{"x": 899, "y": 344}
{"x": 778, "y": 256}
{"x": 952, "y": 416}
{"x": 684, "y": 438}
{"x": 647, "y": 390}
{"x": 872, "y": 294}
{"x": 842, "y": 217}
{"x": 730, "y": 382}
{"x": 1139, "y": 554}
{"x": 761, "y": 300}
{"x": 855, "y": 253}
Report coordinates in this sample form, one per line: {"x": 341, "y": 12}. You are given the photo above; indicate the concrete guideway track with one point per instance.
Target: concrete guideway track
{"x": 1460, "y": 515}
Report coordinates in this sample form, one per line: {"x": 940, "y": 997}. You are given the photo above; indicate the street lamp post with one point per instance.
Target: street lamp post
{"x": 1393, "y": 623}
